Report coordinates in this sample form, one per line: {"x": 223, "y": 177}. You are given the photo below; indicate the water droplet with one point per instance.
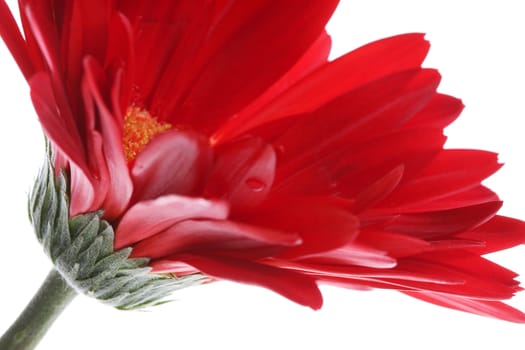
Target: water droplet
{"x": 255, "y": 184}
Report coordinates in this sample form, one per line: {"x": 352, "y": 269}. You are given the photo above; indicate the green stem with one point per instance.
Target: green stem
{"x": 32, "y": 324}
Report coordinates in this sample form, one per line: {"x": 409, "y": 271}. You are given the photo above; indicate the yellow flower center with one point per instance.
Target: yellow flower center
{"x": 139, "y": 128}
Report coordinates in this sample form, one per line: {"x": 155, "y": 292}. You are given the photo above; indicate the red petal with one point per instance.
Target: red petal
{"x": 366, "y": 64}
{"x": 490, "y": 282}
{"x": 46, "y": 39}
{"x": 451, "y": 244}
{"x": 370, "y": 276}
{"x": 472, "y": 287}
{"x": 213, "y": 236}
{"x": 225, "y": 71}
{"x": 243, "y": 173}
{"x": 170, "y": 266}
{"x": 374, "y": 109}
{"x": 174, "y": 162}
{"x": 167, "y": 40}
{"x": 473, "y": 265}
{"x": 313, "y": 58}
{"x": 354, "y": 254}
{"x": 493, "y": 309}
{"x": 439, "y": 113}
{"x": 499, "y": 233}
{"x": 14, "y": 41}
{"x": 83, "y": 31}
{"x": 87, "y": 194}
{"x": 379, "y": 189}
{"x": 466, "y": 198}
{"x": 292, "y": 285}
{"x": 120, "y": 185}
{"x": 451, "y": 172}
{"x": 445, "y": 222}
{"x": 120, "y": 50}
{"x": 60, "y": 129}
{"x": 339, "y": 129}
{"x": 148, "y": 218}
{"x": 350, "y": 169}
{"x": 397, "y": 245}
{"x": 321, "y": 224}
{"x": 413, "y": 149}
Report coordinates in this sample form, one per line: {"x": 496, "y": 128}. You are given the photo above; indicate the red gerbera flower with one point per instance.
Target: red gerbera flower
{"x": 217, "y": 138}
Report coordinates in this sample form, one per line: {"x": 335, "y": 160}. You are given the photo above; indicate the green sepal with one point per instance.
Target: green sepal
{"x": 81, "y": 248}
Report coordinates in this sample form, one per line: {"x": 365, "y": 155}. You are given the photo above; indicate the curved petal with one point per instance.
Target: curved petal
{"x": 293, "y": 285}
{"x": 177, "y": 268}
{"x": 60, "y": 129}
{"x": 372, "y": 110}
{"x": 444, "y": 222}
{"x": 45, "y": 36}
{"x": 497, "y": 234}
{"x": 87, "y": 194}
{"x": 120, "y": 185}
{"x": 316, "y": 55}
{"x": 379, "y": 189}
{"x": 321, "y": 224}
{"x": 166, "y": 39}
{"x": 396, "y": 244}
{"x": 488, "y": 308}
{"x": 349, "y": 169}
{"x": 120, "y": 49}
{"x": 220, "y": 88}
{"x": 368, "y": 63}
{"x": 370, "y": 276}
{"x": 354, "y": 254}
{"x": 10, "y": 34}
{"x": 439, "y": 113}
{"x": 243, "y": 173}
{"x": 331, "y": 136}
{"x": 451, "y": 172}
{"x": 174, "y": 162}
{"x": 88, "y": 191}
{"x": 462, "y": 198}
{"x": 412, "y": 273}
{"x": 213, "y": 236}
{"x": 148, "y": 218}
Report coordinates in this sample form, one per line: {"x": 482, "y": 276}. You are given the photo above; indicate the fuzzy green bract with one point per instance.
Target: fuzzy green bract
{"x": 81, "y": 248}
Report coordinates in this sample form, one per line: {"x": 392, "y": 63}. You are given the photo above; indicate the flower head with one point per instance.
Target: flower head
{"x": 217, "y": 138}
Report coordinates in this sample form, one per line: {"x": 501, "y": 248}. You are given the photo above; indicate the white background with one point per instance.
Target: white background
{"x": 478, "y": 47}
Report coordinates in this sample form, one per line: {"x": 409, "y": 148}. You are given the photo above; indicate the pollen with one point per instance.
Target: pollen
{"x": 139, "y": 128}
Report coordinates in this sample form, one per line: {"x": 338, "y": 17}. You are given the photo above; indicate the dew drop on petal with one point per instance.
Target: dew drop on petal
{"x": 255, "y": 184}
